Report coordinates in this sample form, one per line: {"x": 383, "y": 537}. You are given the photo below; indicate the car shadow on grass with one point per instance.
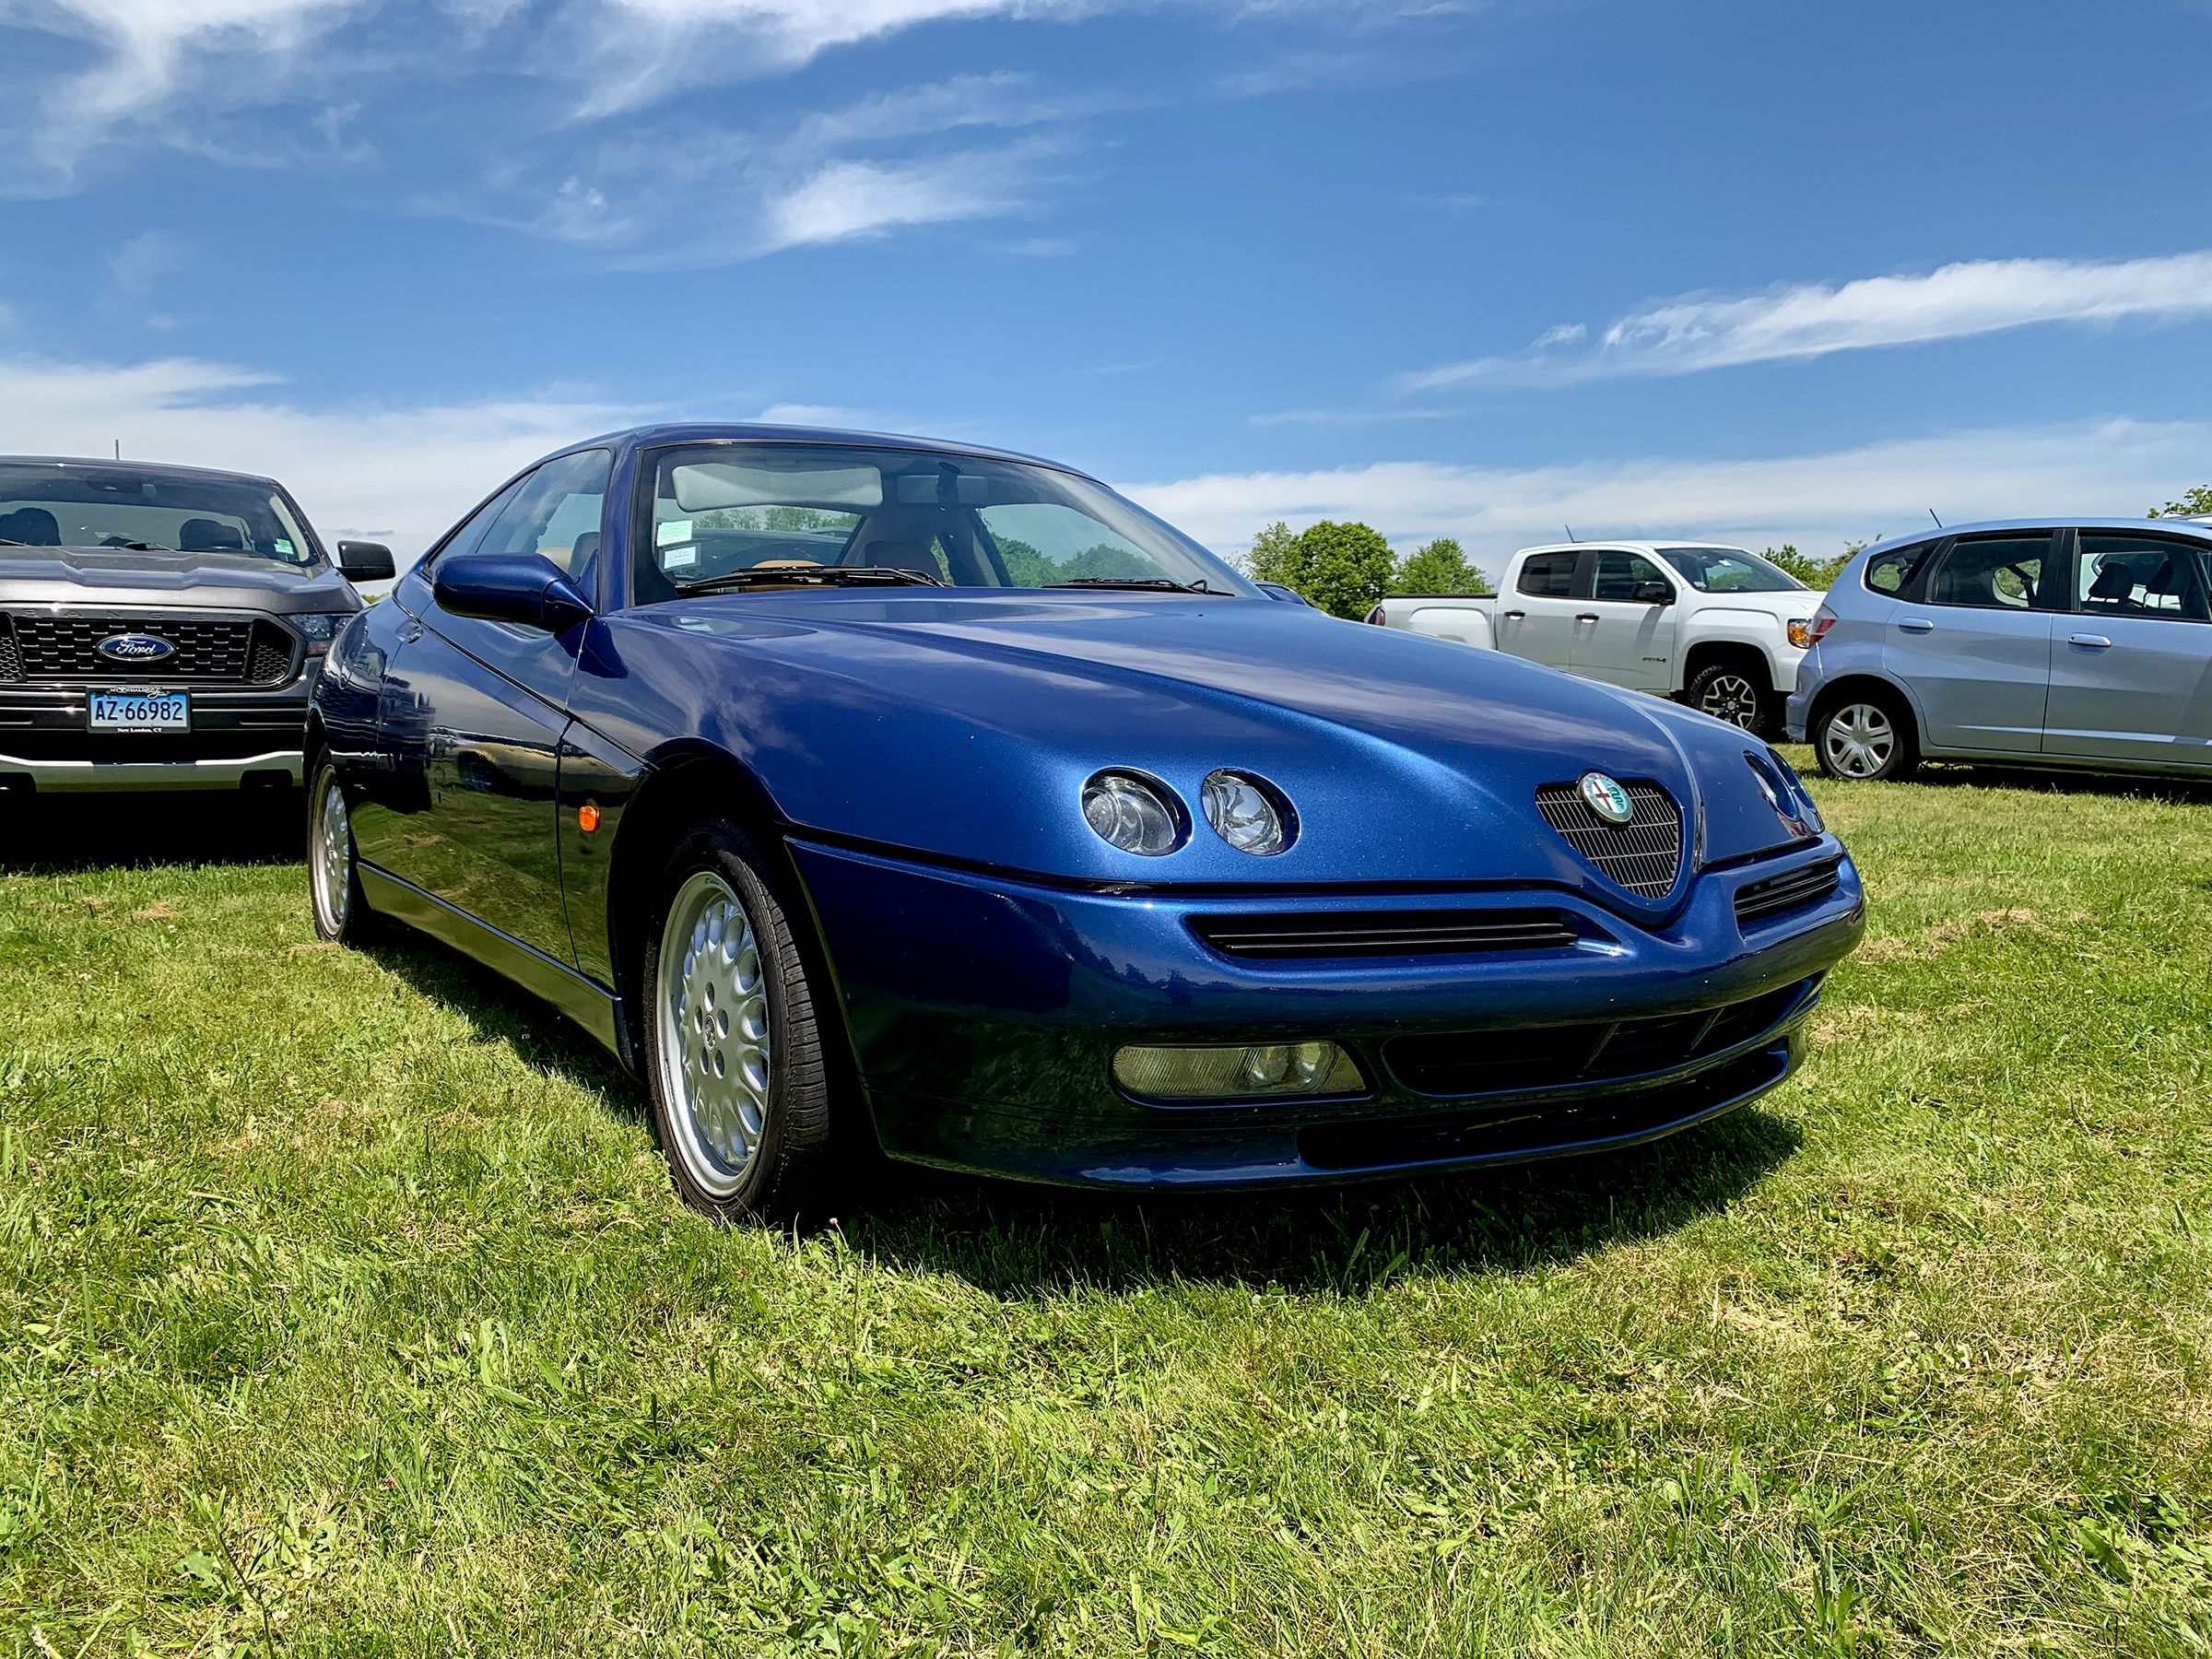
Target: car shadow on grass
{"x": 2052, "y": 782}
{"x": 47, "y": 835}
{"x": 1016, "y": 1240}
{"x": 1013, "y": 1240}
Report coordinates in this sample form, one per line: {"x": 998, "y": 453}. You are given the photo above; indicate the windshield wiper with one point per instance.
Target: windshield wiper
{"x": 1146, "y": 584}
{"x": 822, "y": 575}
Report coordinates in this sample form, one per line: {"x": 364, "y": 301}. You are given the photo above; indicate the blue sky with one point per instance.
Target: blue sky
{"x": 1727, "y": 269}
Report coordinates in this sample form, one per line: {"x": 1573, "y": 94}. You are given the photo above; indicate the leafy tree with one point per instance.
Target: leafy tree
{"x": 1439, "y": 568}
{"x": 1025, "y": 567}
{"x": 1814, "y": 572}
{"x": 2196, "y": 503}
{"x": 1343, "y": 569}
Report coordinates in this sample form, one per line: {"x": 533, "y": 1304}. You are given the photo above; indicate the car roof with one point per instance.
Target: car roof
{"x": 156, "y": 469}
{"x": 654, "y": 437}
{"x": 1634, "y": 547}
{"x": 2190, "y": 527}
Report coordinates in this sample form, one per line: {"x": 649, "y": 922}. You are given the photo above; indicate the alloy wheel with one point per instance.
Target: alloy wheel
{"x": 1859, "y": 740}
{"x": 332, "y": 854}
{"x": 716, "y": 1048}
{"x": 1733, "y": 698}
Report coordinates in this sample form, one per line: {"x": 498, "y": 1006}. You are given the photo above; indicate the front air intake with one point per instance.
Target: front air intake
{"x": 1644, "y": 855}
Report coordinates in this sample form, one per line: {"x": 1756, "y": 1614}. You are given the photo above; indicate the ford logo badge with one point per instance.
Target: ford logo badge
{"x": 1606, "y": 798}
{"x": 136, "y": 648}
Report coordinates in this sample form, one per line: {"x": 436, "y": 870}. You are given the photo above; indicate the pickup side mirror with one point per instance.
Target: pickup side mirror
{"x": 1655, "y": 592}
{"x": 528, "y": 588}
{"x": 365, "y": 561}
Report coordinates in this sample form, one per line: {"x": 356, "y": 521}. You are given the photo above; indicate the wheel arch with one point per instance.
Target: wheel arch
{"x": 1738, "y": 653}
{"x": 1872, "y": 687}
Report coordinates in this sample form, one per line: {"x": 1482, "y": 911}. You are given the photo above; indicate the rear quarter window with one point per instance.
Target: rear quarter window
{"x": 1894, "y": 571}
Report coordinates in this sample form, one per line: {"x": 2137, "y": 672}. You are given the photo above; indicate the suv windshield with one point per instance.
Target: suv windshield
{"x": 1729, "y": 570}
{"x": 965, "y": 521}
{"x": 84, "y": 504}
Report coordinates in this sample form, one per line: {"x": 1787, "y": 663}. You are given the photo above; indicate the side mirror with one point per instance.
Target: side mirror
{"x": 365, "y": 561}
{"x": 1655, "y": 592}
{"x": 1289, "y": 595}
{"x": 528, "y": 588}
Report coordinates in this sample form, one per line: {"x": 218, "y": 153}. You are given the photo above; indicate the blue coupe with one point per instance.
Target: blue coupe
{"x": 856, "y": 788}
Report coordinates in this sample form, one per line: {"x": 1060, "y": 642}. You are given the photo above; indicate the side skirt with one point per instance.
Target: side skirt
{"x": 591, "y": 1007}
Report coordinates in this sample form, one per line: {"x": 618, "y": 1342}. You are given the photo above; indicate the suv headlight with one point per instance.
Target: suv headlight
{"x": 320, "y": 630}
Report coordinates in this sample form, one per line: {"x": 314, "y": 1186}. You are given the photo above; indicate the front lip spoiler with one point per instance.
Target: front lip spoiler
{"x": 62, "y": 777}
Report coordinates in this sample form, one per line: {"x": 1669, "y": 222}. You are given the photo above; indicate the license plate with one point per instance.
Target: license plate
{"x": 141, "y": 711}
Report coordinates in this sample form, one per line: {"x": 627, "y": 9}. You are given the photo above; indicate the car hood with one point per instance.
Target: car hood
{"x": 965, "y": 727}
{"x": 1797, "y": 604}
{"x": 173, "y": 580}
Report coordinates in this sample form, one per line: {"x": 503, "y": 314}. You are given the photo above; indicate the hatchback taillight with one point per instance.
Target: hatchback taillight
{"x": 1804, "y": 634}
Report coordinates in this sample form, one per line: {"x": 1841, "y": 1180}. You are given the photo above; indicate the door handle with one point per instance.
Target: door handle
{"x": 1588, "y": 617}
{"x": 409, "y": 634}
{"x": 1915, "y": 625}
{"x": 1514, "y": 616}
{"x": 2090, "y": 642}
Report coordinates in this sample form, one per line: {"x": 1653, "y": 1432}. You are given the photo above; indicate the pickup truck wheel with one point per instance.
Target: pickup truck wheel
{"x": 734, "y": 1048}
{"x": 1728, "y": 692}
{"x": 1865, "y": 739}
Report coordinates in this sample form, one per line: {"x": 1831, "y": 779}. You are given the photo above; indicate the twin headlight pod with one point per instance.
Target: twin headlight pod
{"x": 1137, "y": 813}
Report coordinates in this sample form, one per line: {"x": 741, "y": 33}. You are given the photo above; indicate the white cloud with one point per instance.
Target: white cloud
{"x": 1974, "y": 297}
{"x": 842, "y": 201}
{"x": 1350, "y": 417}
{"x": 401, "y": 473}
{"x": 1816, "y": 500}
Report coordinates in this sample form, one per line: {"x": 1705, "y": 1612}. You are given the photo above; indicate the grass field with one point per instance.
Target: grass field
{"x": 344, "y": 1308}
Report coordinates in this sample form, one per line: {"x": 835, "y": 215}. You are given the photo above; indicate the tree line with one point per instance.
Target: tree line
{"x": 1344, "y": 568}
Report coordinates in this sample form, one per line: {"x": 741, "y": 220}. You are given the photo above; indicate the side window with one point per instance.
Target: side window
{"x": 1892, "y": 572}
{"x": 1617, "y": 575}
{"x": 2139, "y": 576}
{"x": 555, "y": 511}
{"x": 1547, "y": 575}
{"x": 464, "y": 540}
{"x": 1998, "y": 573}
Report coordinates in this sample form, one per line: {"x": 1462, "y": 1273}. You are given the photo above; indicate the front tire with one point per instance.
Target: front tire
{"x": 1866, "y": 739}
{"x": 741, "y": 1092}
{"x": 1734, "y": 694}
{"x": 334, "y": 877}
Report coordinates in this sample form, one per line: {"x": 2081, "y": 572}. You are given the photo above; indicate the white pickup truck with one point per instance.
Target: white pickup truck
{"x": 1717, "y": 627}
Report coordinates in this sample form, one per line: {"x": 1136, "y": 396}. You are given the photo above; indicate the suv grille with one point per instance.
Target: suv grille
{"x": 1793, "y": 889}
{"x": 60, "y": 646}
{"x": 11, "y": 660}
{"x": 1644, "y": 855}
{"x": 1478, "y": 1063}
{"x": 1312, "y": 935}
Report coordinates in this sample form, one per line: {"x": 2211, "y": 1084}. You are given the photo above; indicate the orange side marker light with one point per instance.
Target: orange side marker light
{"x": 587, "y": 818}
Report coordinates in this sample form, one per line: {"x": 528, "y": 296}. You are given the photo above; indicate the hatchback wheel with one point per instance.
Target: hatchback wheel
{"x": 1729, "y": 693}
{"x": 734, "y": 1048}
{"x": 1865, "y": 739}
{"x": 333, "y": 878}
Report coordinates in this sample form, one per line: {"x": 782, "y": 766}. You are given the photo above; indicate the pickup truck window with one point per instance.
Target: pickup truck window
{"x": 1729, "y": 570}
{"x": 1547, "y": 575}
{"x": 1619, "y": 574}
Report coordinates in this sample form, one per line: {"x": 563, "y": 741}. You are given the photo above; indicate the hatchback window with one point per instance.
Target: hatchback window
{"x": 1892, "y": 572}
{"x": 1548, "y": 575}
{"x": 2139, "y": 576}
{"x": 2000, "y": 574}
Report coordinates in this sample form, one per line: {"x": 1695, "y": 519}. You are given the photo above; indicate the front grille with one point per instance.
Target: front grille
{"x": 60, "y": 646}
{"x": 1309, "y": 935}
{"x": 1793, "y": 889}
{"x": 1644, "y": 855}
{"x": 1459, "y": 1064}
{"x": 11, "y": 661}
{"x": 269, "y": 657}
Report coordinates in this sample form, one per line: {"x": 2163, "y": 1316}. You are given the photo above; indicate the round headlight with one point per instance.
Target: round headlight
{"x": 1133, "y": 813}
{"x": 1247, "y": 814}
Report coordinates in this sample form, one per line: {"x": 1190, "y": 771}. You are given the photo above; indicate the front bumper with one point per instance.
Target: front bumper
{"x": 984, "y": 1015}
{"x": 237, "y": 737}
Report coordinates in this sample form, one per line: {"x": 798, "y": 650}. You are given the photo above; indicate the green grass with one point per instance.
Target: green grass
{"x": 344, "y": 1308}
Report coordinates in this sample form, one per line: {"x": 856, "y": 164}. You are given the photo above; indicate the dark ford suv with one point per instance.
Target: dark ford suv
{"x": 161, "y": 627}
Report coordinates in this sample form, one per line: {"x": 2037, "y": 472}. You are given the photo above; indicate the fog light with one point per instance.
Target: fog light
{"x": 1238, "y": 1073}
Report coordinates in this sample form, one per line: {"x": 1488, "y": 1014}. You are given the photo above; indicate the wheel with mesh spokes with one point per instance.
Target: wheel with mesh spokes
{"x": 1730, "y": 693}
{"x": 734, "y": 1049}
{"x": 1865, "y": 739}
{"x": 334, "y": 879}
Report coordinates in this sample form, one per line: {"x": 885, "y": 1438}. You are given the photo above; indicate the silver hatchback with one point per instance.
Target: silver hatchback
{"x": 2083, "y": 644}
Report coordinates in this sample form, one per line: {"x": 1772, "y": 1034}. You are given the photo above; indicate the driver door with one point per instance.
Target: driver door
{"x": 490, "y": 703}
{"x": 1622, "y": 636}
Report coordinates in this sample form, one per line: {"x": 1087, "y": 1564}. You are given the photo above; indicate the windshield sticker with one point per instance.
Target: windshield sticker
{"x": 679, "y": 558}
{"x": 674, "y": 530}
{"x": 283, "y": 546}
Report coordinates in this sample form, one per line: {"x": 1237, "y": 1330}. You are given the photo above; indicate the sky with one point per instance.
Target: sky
{"x": 1481, "y": 268}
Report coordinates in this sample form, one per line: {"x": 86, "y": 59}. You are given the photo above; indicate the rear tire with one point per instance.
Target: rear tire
{"x": 1866, "y": 738}
{"x": 734, "y": 1048}
{"x": 1736, "y": 694}
{"x": 334, "y": 877}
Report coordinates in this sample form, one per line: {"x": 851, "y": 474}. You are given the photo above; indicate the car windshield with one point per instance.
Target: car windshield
{"x": 967, "y": 521}
{"x": 1729, "y": 570}
{"x": 84, "y": 504}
